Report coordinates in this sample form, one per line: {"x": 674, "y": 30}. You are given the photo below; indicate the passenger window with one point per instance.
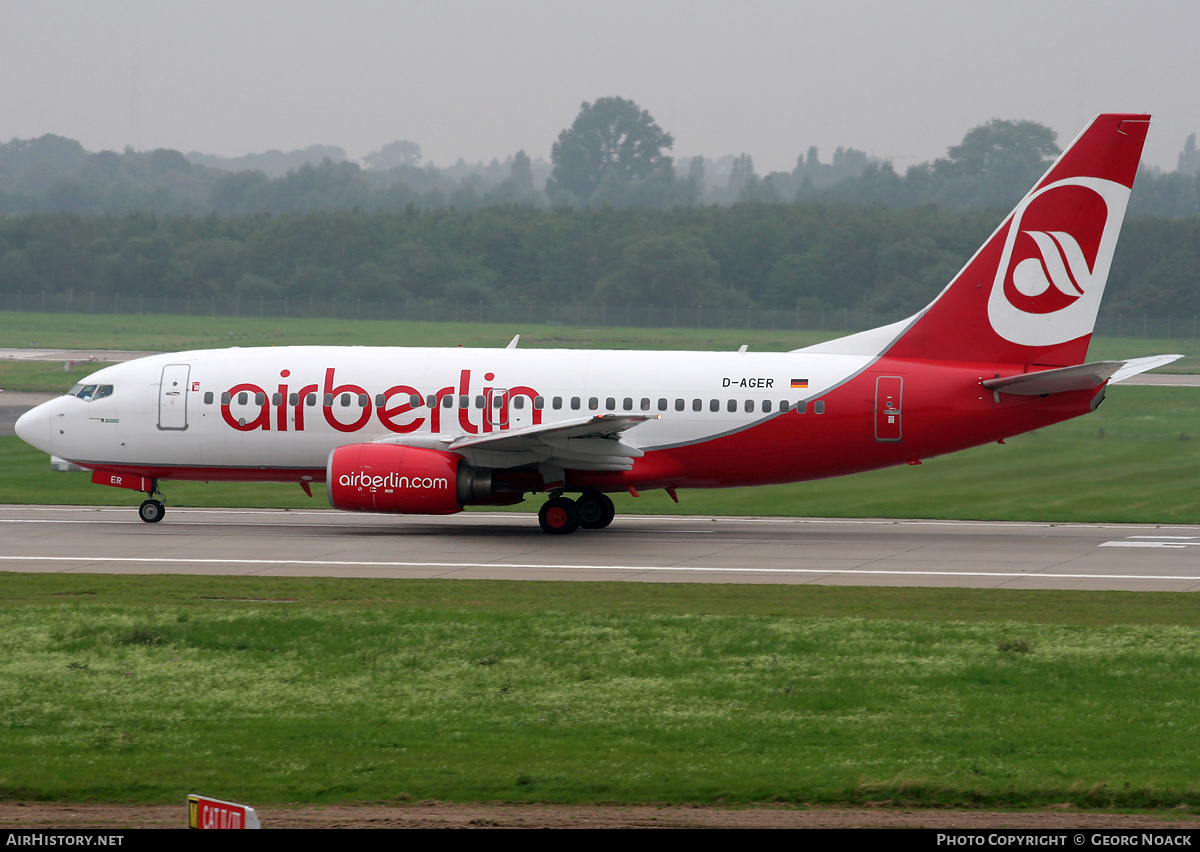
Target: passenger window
{"x": 464, "y": 401}
{"x": 226, "y": 398}
{"x": 731, "y": 405}
{"x": 819, "y": 406}
{"x": 431, "y": 400}
{"x": 662, "y": 404}
{"x": 575, "y": 402}
{"x": 714, "y": 405}
{"x": 311, "y": 400}
{"x": 363, "y": 400}
{"x": 479, "y": 401}
{"x": 750, "y": 406}
{"x": 447, "y": 401}
{"x": 294, "y": 399}
{"x": 628, "y": 404}
{"x": 679, "y": 405}
{"x": 518, "y": 401}
{"x": 539, "y": 402}
{"x": 243, "y": 398}
{"x": 593, "y": 403}
{"x": 276, "y": 398}
{"x": 345, "y": 400}
{"x": 328, "y": 400}
{"x": 556, "y": 403}
{"x": 380, "y": 400}
{"x": 802, "y": 406}
{"x": 498, "y": 402}
{"x": 414, "y": 399}
{"x": 208, "y": 397}
{"x": 260, "y": 399}
{"x": 697, "y": 405}
{"x": 766, "y": 406}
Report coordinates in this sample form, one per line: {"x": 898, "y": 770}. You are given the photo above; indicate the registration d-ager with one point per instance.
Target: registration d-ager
{"x": 1000, "y": 351}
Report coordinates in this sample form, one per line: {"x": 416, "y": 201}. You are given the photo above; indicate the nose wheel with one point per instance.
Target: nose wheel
{"x": 151, "y": 511}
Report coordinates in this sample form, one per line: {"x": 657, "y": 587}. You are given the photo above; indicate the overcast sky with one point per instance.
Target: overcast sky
{"x": 477, "y": 79}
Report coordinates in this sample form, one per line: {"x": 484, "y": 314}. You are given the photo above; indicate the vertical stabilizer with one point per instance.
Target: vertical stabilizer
{"x": 1031, "y": 293}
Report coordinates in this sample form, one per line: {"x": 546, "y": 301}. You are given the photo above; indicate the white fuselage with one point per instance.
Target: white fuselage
{"x": 269, "y": 408}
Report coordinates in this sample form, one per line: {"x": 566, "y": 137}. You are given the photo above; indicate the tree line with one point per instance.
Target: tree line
{"x": 807, "y": 256}
{"x": 613, "y": 219}
{"x": 614, "y": 154}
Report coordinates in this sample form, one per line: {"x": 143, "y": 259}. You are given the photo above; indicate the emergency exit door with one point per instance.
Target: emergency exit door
{"x": 888, "y": 392}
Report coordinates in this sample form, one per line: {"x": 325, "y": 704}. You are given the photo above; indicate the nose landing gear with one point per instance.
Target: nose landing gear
{"x": 151, "y": 511}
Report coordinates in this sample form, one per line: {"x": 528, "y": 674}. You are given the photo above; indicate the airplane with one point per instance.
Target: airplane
{"x": 1000, "y": 351}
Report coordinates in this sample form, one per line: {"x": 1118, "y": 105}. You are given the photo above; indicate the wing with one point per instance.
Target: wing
{"x": 586, "y": 443}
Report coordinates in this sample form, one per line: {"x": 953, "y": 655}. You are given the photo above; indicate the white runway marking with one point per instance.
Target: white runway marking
{"x": 334, "y": 563}
{"x": 1172, "y": 541}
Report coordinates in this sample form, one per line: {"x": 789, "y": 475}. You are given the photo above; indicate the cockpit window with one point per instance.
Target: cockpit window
{"x": 88, "y": 393}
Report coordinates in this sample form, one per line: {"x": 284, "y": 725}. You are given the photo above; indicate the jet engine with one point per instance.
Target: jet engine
{"x": 402, "y": 480}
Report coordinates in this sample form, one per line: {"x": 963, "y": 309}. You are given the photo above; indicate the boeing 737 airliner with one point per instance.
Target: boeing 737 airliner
{"x": 999, "y": 352}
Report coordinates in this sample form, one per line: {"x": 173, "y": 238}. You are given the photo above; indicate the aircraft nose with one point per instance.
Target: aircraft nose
{"x": 33, "y": 427}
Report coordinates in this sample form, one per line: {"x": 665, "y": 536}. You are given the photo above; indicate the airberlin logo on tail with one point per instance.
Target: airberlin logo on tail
{"x": 1056, "y": 278}
{"x": 1057, "y": 252}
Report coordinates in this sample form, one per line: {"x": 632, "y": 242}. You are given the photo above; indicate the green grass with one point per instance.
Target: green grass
{"x": 144, "y": 689}
{"x": 44, "y": 376}
{"x": 174, "y": 333}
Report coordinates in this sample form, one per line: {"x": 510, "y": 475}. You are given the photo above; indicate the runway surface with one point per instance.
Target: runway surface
{"x": 635, "y": 548}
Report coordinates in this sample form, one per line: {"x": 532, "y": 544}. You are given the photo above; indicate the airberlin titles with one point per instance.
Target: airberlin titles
{"x": 285, "y": 409}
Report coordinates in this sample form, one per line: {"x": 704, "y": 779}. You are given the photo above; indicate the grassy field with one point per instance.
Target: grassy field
{"x": 174, "y": 333}
{"x": 275, "y": 690}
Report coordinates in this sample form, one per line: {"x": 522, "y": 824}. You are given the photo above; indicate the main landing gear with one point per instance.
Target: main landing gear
{"x": 561, "y": 515}
{"x": 151, "y": 511}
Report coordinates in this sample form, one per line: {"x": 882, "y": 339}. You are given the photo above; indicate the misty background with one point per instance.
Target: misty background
{"x": 801, "y": 158}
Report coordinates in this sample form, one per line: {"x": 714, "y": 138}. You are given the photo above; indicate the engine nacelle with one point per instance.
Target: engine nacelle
{"x": 401, "y": 480}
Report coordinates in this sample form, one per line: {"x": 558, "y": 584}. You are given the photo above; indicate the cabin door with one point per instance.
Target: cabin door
{"x": 172, "y": 397}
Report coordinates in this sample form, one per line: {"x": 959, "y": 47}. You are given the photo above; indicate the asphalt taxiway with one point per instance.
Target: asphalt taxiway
{"x": 635, "y": 548}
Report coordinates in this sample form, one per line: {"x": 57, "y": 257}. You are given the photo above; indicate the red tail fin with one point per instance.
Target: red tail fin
{"x": 1030, "y": 294}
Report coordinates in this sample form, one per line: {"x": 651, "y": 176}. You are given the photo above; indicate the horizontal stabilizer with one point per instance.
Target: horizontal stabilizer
{"x": 1077, "y": 378}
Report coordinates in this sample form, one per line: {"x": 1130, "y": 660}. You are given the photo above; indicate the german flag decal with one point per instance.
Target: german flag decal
{"x": 800, "y": 383}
